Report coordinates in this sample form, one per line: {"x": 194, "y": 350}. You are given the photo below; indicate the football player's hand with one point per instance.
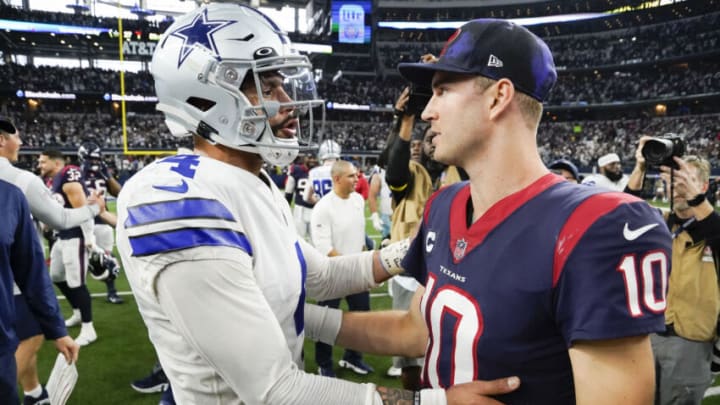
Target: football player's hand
{"x": 91, "y": 246}
{"x": 376, "y": 221}
{"x": 97, "y": 197}
{"x": 476, "y": 392}
{"x": 104, "y": 171}
{"x": 69, "y": 348}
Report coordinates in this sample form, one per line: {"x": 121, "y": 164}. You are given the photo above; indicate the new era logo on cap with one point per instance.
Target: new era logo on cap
{"x": 494, "y": 61}
{"x": 494, "y": 48}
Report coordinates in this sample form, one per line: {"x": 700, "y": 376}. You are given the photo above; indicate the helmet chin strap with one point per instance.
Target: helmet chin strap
{"x": 278, "y": 156}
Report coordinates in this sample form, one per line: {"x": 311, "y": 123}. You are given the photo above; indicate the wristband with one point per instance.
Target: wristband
{"x": 322, "y": 324}
{"x": 431, "y": 396}
{"x": 697, "y": 200}
{"x": 392, "y": 255}
{"x": 94, "y": 208}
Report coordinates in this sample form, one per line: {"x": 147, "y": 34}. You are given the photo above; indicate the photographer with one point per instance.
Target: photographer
{"x": 683, "y": 352}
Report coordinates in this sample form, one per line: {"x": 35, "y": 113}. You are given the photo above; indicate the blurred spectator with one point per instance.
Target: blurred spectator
{"x": 566, "y": 169}
{"x": 611, "y": 175}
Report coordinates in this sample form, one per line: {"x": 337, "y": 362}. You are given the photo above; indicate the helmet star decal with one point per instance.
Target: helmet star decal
{"x": 199, "y": 31}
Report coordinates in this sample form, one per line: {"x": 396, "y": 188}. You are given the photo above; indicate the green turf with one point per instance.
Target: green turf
{"x": 123, "y": 353}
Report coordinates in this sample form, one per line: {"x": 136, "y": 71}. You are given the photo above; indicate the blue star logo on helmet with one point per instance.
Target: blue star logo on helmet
{"x": 199, "y": 31}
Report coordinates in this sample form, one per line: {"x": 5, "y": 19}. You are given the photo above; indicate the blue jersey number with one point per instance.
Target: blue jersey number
{"x": 186, "y": 165}
{"x": 322, "y": 187}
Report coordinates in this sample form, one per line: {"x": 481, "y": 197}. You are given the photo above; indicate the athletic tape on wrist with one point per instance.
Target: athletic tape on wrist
{"x": 433, "y": 396}
{"x": 391, "y": 256}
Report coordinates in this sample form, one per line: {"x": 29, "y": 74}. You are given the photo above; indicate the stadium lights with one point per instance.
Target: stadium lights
{"x": 28, "y": 26}
{"x": 312, "y": 48}
{"x": 407, "y": 25}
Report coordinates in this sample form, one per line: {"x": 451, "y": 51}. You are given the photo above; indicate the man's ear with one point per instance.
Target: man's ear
{"x": 503, "y": 92}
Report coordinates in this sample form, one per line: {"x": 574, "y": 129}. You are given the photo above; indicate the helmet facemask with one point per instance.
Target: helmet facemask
{"x": 279, "y": 96}
{"x": 213, "y": 86}
{"x": 90, "y": 154}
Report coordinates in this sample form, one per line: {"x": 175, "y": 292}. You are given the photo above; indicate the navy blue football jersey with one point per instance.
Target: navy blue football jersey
{"x": 299, "y": 173}
{"x": 68, "y": 174}
{"x": 549, "y": 265}
{"x": 94, "y": 180}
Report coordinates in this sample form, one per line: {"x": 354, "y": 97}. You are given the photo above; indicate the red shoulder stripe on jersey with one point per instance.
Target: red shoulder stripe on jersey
{"x": 580, "y": 221}
{"x": 66, "y": 168}
{"x": 475, "y": 235}
{"x": 428, "y": 203}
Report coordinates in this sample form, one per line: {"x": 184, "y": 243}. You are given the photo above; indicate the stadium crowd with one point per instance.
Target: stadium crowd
{"x": 581, "y": 141}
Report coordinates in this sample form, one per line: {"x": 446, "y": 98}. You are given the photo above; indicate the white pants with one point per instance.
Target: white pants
{"x": 302, "y": 221}
{"x": 68, "y": 262}
{"x": 104, "y": 237}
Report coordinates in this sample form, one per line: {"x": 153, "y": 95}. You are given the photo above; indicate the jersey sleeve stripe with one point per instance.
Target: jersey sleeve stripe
{"x": 188, "y": 238}
{"x": 581, "y": 219}
{"x": 299, "y": 315}
{"x": 177, "y": 209}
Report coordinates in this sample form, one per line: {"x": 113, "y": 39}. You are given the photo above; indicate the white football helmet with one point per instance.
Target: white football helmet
{"x": 329, "y": 149}
{"x": 204, "y": 58}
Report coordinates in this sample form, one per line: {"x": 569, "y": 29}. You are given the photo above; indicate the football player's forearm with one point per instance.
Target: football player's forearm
{"x": 109, "y": 218}
{"x": 113, "y": 186}
{"x": 329, "y": 278}
{"x": 54, "y": 215}
{"x": 621, "y": 371}
{"x": 303, "y": 388}
{"x": 372, "y": 203}
{"x": 381, "y": 332}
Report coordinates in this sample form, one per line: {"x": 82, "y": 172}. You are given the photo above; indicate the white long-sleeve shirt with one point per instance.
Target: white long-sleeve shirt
{"x": 42, "y": 204}
{"x": 338, "y": 223}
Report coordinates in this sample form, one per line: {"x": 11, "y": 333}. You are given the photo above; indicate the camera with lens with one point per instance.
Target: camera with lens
{"x": 417, "y": 100}
{"x": 659, "y": 151}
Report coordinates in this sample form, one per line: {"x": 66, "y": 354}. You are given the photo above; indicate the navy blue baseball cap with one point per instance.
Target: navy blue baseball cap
{"x": 567, "y": 165}
{"x": 495, "y": 49}
{"x": 7, "y": 126}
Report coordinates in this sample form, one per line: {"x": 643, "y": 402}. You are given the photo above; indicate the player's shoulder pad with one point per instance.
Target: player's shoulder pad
{"x": 71, "y": 174}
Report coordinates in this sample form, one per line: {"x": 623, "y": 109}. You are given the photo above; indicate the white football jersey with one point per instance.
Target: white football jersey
{"x": 601, "y": 180}
{"x": 320, "y": 179}
{"x": 192, "y": 208}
